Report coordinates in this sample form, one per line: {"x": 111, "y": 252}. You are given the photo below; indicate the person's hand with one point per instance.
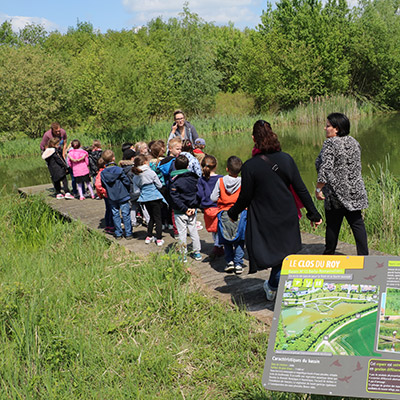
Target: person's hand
{"x": 190, "y": 211}
{"x": 319, "y": 195}
{"x": 174, "y": 127}
{"x": 316, "y": 224}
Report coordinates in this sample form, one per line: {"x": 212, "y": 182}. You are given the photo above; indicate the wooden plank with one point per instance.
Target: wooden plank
{"x": 246, "y": 291}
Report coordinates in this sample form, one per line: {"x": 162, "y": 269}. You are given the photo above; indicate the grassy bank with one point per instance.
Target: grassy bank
{"x": 382, "y": 217}
{"x": 80, "y": 318}
{"x": 315, "y": 111}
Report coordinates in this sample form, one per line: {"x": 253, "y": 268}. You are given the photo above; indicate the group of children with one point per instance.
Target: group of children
{"x": 165, "y": 191}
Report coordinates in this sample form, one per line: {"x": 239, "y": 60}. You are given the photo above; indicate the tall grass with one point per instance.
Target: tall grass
{"x": 82, "y": 319}
{"x": 315, "y": 111}
{"x": 382, "y": 217}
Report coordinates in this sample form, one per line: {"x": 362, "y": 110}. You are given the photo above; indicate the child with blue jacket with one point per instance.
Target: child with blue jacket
{"x": 117, "y": 184}
{"x": 147, "y": 181}
{"x": 184, "y": 202}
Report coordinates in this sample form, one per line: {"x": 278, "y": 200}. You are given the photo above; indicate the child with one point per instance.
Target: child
{"x": 194, "y": 165}
{"x": 102, "y": 193}
{"x": 205, "y": 187}
{"x": 184, "y": 201}
{"x": 117, "y": 185}
{"x": 231, "y": 234}
{"x": 199, "y": 145}
{"x": 126, "y": 164}
{"x": 94, "y": 156}
{"x": 165, "y": 167}
{"x": 157, "y": 151}
{"x": 141, "y": 148}
{"x": 147, "y": 181}
{"x": 58, "y": 168}
{"x": 78, "y": 160}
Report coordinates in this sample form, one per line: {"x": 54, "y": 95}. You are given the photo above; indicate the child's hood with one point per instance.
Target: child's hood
{"x": 48, "y": 152}
{"x": 231, "y": 183}
{"x": 111, "y": 174}
{"x": 77, "y": 154}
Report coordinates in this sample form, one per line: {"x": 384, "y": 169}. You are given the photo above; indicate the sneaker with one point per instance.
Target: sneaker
{"x": 238, "y": 269}
{"x": 118, "y": 237}
{"x": 93, "y": 197}
{"x": 160, "y": 242}
{"x": 230, "y": 267}
{"x": 129, "y": 237}
{"x": 149, "y": 239}
{"x": 197, "y": 256}
{"x": 60, "y": 196}
{"x": 184, "y": 258}
{"x": 69, "y": 196}
{"x": 199, "y": 227}
{"x": 271, "y": 294}
{"x": 82, "y": 198}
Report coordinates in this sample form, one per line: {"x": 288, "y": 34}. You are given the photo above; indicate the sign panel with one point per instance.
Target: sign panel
{"x": 336, "y": 327}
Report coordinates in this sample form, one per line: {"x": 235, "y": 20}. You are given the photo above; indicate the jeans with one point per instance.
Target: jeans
{"x": 234, "y": 252}
{"x": 126, "y": 217}
{"x": 275, "y": 276}
{"x": 108, "y": 217}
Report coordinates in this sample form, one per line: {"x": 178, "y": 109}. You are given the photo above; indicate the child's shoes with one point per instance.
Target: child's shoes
{"x": 149, "y": 239}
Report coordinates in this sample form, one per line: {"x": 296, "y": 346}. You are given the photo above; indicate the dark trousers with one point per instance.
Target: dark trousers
{"x": 57, "y": 185}
{"x": 154, "y": 209}
{"x": 334, "y": 219}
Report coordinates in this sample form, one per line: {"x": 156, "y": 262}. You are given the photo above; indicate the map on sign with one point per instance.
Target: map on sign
{"x": 336, "y": 327}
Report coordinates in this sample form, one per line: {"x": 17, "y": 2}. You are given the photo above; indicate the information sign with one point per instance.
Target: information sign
{"x": 336, "y": 327}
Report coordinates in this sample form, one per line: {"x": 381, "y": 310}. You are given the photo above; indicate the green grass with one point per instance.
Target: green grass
{"x": 233, "y": 116}
{"x": 83, "y": 319}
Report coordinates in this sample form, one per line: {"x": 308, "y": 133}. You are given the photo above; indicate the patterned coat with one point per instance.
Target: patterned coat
{"x": 339, "y": 167}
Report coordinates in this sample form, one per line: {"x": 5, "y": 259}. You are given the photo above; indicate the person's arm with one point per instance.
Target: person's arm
{"x": 301, "y": 190}
{"x": 214, "y": 196}
{"x": 157, "y": 181}
{"x": 45, "y": 140}
{"x": 178, "y": 204}
{"x": 325, "y": 168}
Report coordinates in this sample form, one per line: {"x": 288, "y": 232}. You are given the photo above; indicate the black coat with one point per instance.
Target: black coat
{"x": 272, "y": 231}
{"x": 58, "y": 168}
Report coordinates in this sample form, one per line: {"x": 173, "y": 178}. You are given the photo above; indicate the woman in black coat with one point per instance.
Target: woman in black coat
{"x": 272, "y": 231}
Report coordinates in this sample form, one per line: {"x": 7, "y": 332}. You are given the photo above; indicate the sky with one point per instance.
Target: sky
{"x": 125, "y": 14}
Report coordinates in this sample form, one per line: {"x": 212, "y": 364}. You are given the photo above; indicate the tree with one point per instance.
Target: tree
{"x": 33, "y": 90}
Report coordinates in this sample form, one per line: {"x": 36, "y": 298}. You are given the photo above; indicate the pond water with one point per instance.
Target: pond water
{"x": 379, "y": 138}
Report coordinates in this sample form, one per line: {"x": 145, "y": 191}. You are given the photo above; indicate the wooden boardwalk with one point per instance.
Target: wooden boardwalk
{"x": 245, "y": 290}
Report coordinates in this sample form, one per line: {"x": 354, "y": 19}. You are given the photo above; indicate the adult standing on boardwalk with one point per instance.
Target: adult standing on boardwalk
{"x": 272, "y": 230}
{"x": 340, "y": 183}
{"x": 55, "y": 131}
{"x": 182, "y": 128}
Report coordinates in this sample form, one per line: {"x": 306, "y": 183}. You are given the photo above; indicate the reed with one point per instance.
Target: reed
{"x": 313, "y": 112}
{"x": 382, "y": 217}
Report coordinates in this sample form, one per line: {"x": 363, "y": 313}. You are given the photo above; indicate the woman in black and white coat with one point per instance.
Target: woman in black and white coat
{"x": 340, "y": 183}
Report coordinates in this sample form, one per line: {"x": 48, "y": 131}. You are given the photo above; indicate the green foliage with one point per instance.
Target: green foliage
{"x": 33, "y": 87}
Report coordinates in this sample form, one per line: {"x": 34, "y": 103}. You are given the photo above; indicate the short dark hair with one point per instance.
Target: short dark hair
{"x": 340, "y": 122}
{"x": 76, "y": 144}
{"x": 126, "y": 146}
{"x": 181, "y": 162}
{"x": 234, "y": 165}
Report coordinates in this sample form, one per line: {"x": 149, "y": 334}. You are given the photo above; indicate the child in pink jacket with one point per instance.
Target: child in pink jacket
{"x": 78, "y": 160}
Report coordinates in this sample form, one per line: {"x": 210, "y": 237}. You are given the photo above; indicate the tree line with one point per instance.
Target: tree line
{"x": 114, "y": 81}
